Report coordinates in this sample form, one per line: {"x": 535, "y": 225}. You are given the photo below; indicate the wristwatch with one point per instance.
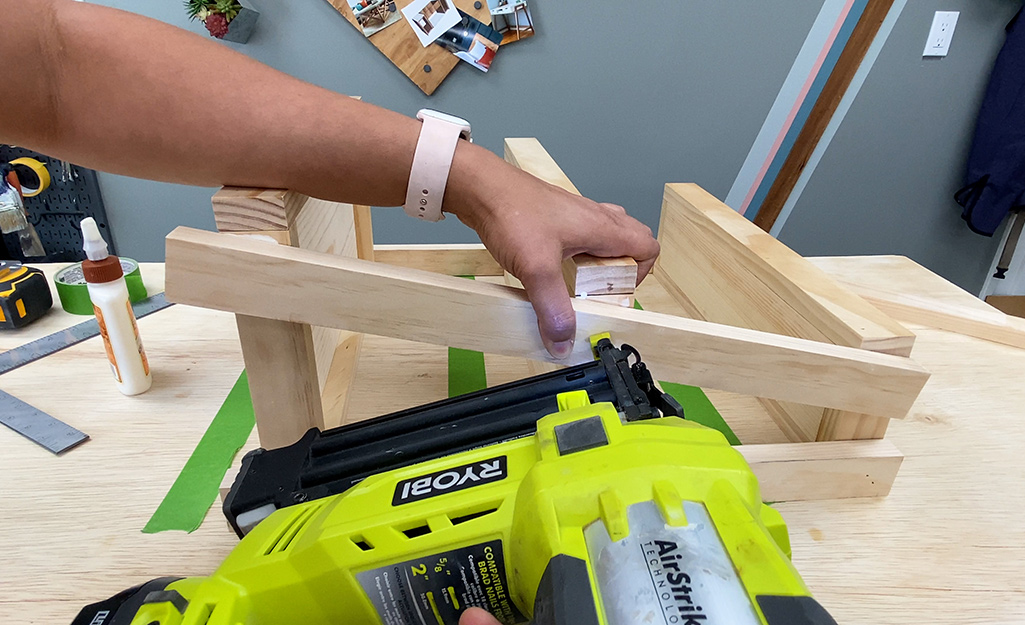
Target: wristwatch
{"x": 432, "y": 161}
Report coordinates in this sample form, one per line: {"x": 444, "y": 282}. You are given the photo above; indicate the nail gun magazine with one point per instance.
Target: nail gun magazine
{"x": 582, "y": 496}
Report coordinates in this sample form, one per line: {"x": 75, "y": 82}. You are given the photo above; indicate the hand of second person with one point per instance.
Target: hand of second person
{"x": 477, "y": 616}
{"x": 530, "y": 226}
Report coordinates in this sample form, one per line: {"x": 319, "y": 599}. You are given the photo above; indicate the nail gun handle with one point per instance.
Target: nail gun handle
{"x": 564, "y": 595}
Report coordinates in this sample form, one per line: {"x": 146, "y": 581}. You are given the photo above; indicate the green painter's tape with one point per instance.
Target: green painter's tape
{"x": 466, "y": 371}
{"x": 696, "y": 405}
{"x": 195, "y": 490}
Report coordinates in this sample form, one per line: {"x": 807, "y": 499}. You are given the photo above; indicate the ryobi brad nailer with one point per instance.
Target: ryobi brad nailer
{"x": 578, "y": 497}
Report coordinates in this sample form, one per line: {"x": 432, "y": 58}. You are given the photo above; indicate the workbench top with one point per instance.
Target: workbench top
{"x": 947, "y": 545}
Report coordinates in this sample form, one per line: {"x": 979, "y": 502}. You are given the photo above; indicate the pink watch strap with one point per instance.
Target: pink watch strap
{"x": 431, "y": 164}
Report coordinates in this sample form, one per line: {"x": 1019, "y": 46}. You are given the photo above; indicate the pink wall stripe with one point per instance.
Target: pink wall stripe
{"x": 797, "y": 105}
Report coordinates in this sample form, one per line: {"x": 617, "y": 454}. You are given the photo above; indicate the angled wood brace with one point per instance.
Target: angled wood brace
{"x": 721, "y": 267}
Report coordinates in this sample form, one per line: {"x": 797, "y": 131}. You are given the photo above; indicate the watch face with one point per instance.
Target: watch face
{"x": 445, "y": 117}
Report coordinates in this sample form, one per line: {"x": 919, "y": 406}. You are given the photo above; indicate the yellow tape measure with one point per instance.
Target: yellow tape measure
{"x": 24, "y": 295}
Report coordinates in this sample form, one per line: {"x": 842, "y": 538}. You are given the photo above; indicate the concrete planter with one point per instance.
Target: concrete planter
{"x": 242, "y": 26}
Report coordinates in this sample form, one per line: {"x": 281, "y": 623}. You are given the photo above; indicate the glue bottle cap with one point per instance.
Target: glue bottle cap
{"x": 92, "y": 241}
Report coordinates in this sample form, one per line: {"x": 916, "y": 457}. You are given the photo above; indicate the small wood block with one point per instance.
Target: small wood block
{"x": 426, "y": 67}
{"x": 239, "y": 209}
{"x": 588, "y": 275}
{"x": 584, "y": 274}
{"x": 625, "y": 300}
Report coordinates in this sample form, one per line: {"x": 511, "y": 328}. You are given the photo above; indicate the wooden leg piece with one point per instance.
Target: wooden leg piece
{"x": 282, "y": 378}
{"x": 290, "y": 218}
{"x": 364, "y": 232}
{"x": 338, "y": 385}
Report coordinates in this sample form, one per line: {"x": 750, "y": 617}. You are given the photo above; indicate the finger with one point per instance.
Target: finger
{"x": 556, "y": 319}
{"x": 477, "y": 616}
{"x": 627, "y": 238}
{"x": 644, "y": 268}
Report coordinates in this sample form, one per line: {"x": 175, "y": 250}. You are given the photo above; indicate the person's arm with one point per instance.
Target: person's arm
{"x": 118, "y": 92}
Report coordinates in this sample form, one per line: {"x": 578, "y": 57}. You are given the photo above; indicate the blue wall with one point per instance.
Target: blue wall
{"x": 625, "y": 102}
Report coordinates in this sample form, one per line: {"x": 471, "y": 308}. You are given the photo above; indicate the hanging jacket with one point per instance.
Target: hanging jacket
{"x": 995, "y": 183}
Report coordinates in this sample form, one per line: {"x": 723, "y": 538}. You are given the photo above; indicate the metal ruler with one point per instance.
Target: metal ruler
{"x": 33, "y": 423}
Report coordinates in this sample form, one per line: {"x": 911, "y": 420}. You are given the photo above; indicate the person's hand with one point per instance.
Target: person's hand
{"x": 477, "y": 616}
{"x": 530, "y": 226}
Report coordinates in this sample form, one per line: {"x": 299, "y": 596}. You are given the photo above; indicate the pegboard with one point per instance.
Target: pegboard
{"x": 57, "y": 212}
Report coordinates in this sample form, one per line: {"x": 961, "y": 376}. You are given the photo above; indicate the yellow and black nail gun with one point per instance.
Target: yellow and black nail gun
{"x": 578, "y": 497}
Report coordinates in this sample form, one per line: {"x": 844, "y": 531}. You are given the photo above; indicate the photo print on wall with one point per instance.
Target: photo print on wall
{"x": 374, "y": 15}
{"x": 512, "y": 19}
{"x": 472, "y": 41}
{"x": 430, "y": 19}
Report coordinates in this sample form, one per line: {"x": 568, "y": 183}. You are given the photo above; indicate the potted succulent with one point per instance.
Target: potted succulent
{"x": 225, "y": 19}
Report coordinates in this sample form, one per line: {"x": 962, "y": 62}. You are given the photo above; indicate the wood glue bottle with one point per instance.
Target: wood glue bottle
{"x": 109, "y": 294}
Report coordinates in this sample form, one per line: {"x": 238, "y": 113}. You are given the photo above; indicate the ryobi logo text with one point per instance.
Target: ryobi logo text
{"x": 450, "y": 480}
{"x": 673, "y": 584}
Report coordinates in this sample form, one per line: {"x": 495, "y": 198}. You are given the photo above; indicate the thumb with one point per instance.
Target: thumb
{"x": 556, "y": 318}
{"x": 476, "y": 616}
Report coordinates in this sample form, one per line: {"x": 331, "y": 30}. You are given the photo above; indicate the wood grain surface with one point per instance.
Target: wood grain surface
{"x": 946, "y": 547}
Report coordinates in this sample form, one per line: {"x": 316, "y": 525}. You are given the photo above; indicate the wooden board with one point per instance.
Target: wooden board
{"x": 291, "y": 218}
{"x": 71, "y": 525}
{"x": 280, "y": 360}
{"x": 737, "y": 274}
{"x": 729, "y": 271}
{"x": 426, "y": 67}
{"x": 364, "y": 232}
{"x": 253, "y": 277}
{"x": 528, "y": 154}
{"x": 825, "y": 470}
{"x": 327, "y": 227}
{"x": 454, "y": 259}
{"x": 281, "y": 237}
{"x": 909, "y": 299}
{"x": 238, "y": 209}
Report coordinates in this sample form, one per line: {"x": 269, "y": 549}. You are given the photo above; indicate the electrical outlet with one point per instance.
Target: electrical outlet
{"x": 941, "y": 33}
